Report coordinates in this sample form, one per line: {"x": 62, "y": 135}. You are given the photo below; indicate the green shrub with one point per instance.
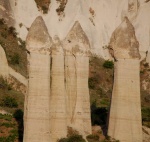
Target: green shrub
{"x": 15, "y": 59}
{"x": 146, "y": 116}
{"x": 9, "y": 102}
{"x": 92, "y": 82}
{"x": 7, "y": 125}
{"x": 6, "y": 117}
{"x": 10, "y": 138}
{"x": 12, "y": 31}
{"x": 92, "y": 138}
{"x": 76, "y": 138}
{"x": 73, "y": 138}
{"x": 4, "y": 84}
{"x": 108, "y": 64}
{"x": 18, "y": 115}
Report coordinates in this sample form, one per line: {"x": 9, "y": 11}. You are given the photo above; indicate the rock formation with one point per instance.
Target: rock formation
{"x": 37, "y": 101}
{"x": 125, "y": 112}
{"x": 58, "y": 94}
{"x": 3, "y": 63}
{"x": 77, "y": 47}
{"x": 58, "y": 116}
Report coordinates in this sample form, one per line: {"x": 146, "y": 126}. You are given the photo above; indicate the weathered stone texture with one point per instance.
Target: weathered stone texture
{"x": 125, "y": 113}
{"x": 125, "y": 123}
{"x": 123, "y": 42}
{"x": 37, "y": 101}
{"x": 58, "y": 116}
{"x": 77, "y": 47}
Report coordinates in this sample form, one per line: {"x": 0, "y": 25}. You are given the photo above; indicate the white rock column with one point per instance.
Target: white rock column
{"x": 77, "y": 46}
{"x": 125, "y": 122}
{"x": 3, "y": 63}
{"x": 83, "y": 98}
{"x": 37, "y": 101}
{"x": 58, "y": 116}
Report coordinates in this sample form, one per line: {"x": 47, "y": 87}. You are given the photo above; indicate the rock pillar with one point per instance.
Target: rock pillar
{"x": 125, "y": 122}
{"x": 77, "y": 47}
{"x": 37, "y": 101}
{"x": 58, "y": 116}
{"x": 3, "y": 63}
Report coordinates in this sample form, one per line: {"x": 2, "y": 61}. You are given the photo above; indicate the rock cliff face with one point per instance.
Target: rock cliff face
{"x": 58, "y": 94}
{"x": 125, "y": 122}
{"x": 98, "y": 18}
{"x": 37, "y": 100}
{"x": 58, "y": 114}
{"x": 77, "y": 48}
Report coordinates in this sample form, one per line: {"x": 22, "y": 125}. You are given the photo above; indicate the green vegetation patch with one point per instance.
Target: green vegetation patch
{"x": 14, "y": 48}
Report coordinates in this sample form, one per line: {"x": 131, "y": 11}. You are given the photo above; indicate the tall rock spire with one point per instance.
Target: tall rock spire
{"x": 123, "y": 42}
{"x": 37, "y": 100}
{"x": 58, "y": 116}
{"x": 125, "y": 111}
{"x": 3, "y": 63}
{"x": 77, "y": 47}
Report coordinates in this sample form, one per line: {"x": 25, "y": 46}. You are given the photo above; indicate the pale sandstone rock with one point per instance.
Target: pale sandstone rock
{"x": 125, "y": 112}
{"x": 37, "y": 101}
{"x": 58, "y": 116}
{"x": 3, "y": 63}
{"x": 77, "y": 47}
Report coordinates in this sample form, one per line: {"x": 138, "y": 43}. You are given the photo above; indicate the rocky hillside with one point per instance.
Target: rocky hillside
{"x": 98, "y": 18}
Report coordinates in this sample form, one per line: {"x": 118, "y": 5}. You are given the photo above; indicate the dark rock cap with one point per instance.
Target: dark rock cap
{"x": 38, "y": 39}
{"x": 123, "y": 43}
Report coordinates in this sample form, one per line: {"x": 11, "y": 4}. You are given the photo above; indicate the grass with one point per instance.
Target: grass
{"x": 11, "y": 125}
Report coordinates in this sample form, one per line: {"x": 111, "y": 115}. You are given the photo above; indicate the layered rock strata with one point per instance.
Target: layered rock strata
{"x": 37, "y": 101}
{"x": 77, "y": 48}
{"x": 125, "y": 112}
{"x": 58, "y": 116}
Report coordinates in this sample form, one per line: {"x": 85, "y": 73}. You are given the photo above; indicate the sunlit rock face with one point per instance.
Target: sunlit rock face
{"x": 76, "y": 46}
{"x": 123, "y": 42}
{"x": 37, "y": 100}
{"x": 125, "y": 122}
{"x": 98, "y": 18}
{"x": 58, "y": 115}
{"x": 58, "y": 94}
{"x": 3, "y": 63}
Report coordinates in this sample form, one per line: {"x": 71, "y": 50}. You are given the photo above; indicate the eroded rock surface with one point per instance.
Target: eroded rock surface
{"x": 58, "y": 112}
{"x": 76, "y": 46}
{"x": 37, "y": 101}
{"x": 125, "y": 123}
{"x": 123, "y": 43}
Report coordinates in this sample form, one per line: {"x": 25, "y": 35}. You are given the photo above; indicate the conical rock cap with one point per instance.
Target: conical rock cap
{"x": 123, "y": 43}
{"x": 38, "y": 39}
{"x": 76, "y": 42}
